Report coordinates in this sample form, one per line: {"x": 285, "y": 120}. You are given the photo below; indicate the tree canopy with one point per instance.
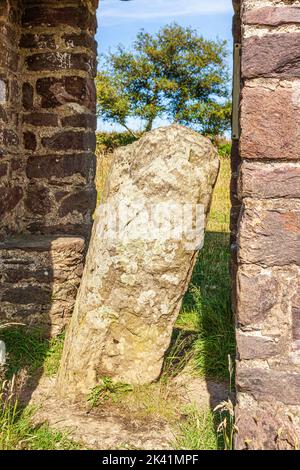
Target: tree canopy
{"x": 175, "y": 74}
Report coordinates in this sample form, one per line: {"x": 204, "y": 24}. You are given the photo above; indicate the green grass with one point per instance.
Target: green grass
{"x": 29, "y": 352}
{"x": 29, "y": 349}
{"x": 206, "y": 309}
{"x": 18, "y": 432}
{"x": 198, "y": 431}
{"x": 108, "y": 390}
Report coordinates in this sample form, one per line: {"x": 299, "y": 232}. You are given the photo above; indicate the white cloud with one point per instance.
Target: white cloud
{"x": 115, "y": 11}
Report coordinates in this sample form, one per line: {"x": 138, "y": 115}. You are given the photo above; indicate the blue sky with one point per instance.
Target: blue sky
{"x": 120, "y": 21}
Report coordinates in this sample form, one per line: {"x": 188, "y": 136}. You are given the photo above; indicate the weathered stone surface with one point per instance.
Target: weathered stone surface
{"x": 132, "y": 289}
{"x": 69, "y": 16}
{"x": 29, "y": 140}
{"x": 27, "y": 96}
{"x": 39, "y": 277}
{"x": 80, "y": 202}
{"x": 266, "y": 426}
{"x": 38, "y": 200}
{"x": 80, "y": 40}
{"x": 257, "y": 294}
{"x": 271, "y": 180}
{"x": 37, "y": 41}
{"x": 296, "y": 317}
{"x": 270, "y": 122}
{"x": 10, "y": 197}
{"x": 69, "y": 140}
{"x": 61, "y": 166}
{"x": 3, "y": 169}
{"x": 272, "y": 16}
{"x": 256, "y": 346}
{"x": 57, "y": 92}
{"x": 267, "y": 385}
{"x": 80, "y": 120}
{"x": 8, "y": 138}
{"x": 270, "y": 236}
{"x": 53, "y": 61}
{"x": 272, "y": 55}
{"x": 41, "y": 119}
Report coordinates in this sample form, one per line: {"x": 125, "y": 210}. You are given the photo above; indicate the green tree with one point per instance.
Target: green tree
{"x": 174, "y": 74}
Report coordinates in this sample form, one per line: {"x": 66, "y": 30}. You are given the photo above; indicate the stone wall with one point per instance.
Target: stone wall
{"x": 266, "y": 220}
{"x": 47, "y": 144}
{"x": 58, "y": 115}
{"x": 47, "y": 116}
{"x": 11, "y": 179}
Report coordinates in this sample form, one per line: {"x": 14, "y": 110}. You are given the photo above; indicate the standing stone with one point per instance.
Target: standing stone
{"x": 133, "y": 283}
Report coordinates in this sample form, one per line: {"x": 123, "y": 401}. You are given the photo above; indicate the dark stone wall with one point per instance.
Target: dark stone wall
{"x": 11, "y": 175}
{"x": 47, "y": 116}
{"x": 47, "y": 162}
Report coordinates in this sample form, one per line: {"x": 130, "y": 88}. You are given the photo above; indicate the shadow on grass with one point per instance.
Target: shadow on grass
{"x": 30, "y": 354}
{"x": 205, "y": 335}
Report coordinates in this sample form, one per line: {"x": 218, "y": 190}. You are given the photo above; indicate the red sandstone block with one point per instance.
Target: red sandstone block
{"x": 10, "y": 197}
{"x": 38, "y": 200}
{"x": 264, "y": 384}
{"x": 28, "y": 93}
{"x": 69, "y": 140}
{"x": 37, "y": 41}
{"x": 270, "y": 236}
{"x": 29, "y": 140}
{"x": 251, "y": 346}
{"x": 80, "y": 201}
{"x": 53, "y": 61}
{"x": 41, "y": 119}
{"x": 58, "y": 91}
{"x": 272, "y": 16}
{"x": 260, "y": 180}
{"x": 270, "y": 122}
{"x": 257, "y": 294}
{"x": 80, "y": 120}
{"x": 258, "y": 425}
{"x": 61, "y": 166}
{"x": 82, "y": 39}
{"x": 272, "y": 55}
{"x": 76, "y": 17}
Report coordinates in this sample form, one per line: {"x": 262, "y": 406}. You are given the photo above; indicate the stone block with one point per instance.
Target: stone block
{"x": 39, "y": 278}
{"x": 270, "y": 122}
{"x": 271, "y": 55}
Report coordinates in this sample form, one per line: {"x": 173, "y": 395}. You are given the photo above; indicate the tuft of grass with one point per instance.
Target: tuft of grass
{"x": 198, "y": 431}
{"x": 108, "y": 390}
{"x": 53, "y": 355}
{"x": 227, "y": 427}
